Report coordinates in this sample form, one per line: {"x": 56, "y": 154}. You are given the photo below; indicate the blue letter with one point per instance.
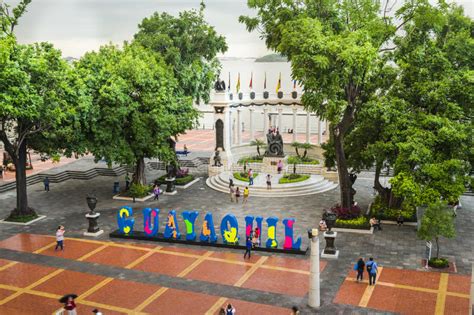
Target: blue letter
{"x": 208, "y": 232}
{"x": 289, "y": 235}
{"x": 172, "y": 228}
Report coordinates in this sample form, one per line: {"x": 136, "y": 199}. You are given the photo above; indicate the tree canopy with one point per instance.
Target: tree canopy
{"x": 137, "y": 106}
{"x": 189, "y": 45}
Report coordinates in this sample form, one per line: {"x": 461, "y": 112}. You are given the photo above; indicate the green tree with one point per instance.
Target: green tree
{"x": 137, "y": 106}
{"x": 258, "y": 143}
{"x": 297, "y": 145}
{"x": 306, "y": 146}
{"x": 437, "y": 221}
{"x": 39, "y": 97}
{"x": 189, "y": 45}
{"x": 335, "y": 49}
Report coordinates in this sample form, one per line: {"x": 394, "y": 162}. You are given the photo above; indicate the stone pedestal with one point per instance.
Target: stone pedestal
{"x": 270, "y": 164}
{"x": 170, "y": 186}
{"x": 226, "y": 163}
{"x": 330, "y": 250}
{"x": 93, "y": 229}
{"x": 314, "y": 296}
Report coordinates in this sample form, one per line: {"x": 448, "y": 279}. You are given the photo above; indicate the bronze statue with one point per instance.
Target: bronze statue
{"x": 219, "y": 86}
{"x": 274, "y": 143}
{"x": 217, "y": 159}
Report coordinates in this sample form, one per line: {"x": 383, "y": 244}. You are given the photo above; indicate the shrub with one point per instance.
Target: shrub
{"x": 300, "y": 160}
{"x": 182, "y": 172}
{"x": 139, "y": 191}
{"x": 181, "y": 181}
{"x": 356, "y": 223}
{"x": 345, "y": 213}
{"x": 379, "y": 210}
{"x": 250, "y": 159}
{"x": 293, "y": 178}
{"x": 21, "y": 218}
{"x": 243, "y": 176}
{"x": 438, "y": 263}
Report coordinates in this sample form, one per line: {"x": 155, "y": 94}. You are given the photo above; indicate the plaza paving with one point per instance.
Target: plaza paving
{"x": 206, "y": 275}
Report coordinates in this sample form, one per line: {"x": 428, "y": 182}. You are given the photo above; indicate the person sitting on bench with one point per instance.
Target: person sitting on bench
{"x": 375, "y": 223}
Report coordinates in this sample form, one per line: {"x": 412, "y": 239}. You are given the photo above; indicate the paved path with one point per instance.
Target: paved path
{"x": 393, "y": 247}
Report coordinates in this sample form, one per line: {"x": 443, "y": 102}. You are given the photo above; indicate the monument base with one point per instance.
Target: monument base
{"x": 100, "y": 232}
{"x": 270, "y": 164}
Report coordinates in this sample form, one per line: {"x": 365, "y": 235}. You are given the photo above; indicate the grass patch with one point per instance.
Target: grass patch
{"x": 22, "y": 218}
{"x": 180, "y": 181}
{"x": 244, "y": 176}
{"x": 250, "y": 159}
{"x": 361, "y": 223}
{"x": 293, "y": 159}
{"x": 293, "y": 178}
{"x": 380, "y": 211}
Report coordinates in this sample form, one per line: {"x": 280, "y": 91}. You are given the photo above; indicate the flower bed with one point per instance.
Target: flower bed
{"x": 293, "y": 178}
{"x": 243, "y": 176}
{"x": 250, "y": 159}
{"x": 381, "y": 212}
{"x": 299, "y": 160}
{"x": 438, "y": 263}
{"x": 180, "y": 181}
{"x": 21, "y": 218}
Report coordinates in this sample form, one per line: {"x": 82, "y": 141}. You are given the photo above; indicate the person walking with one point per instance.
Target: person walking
{"x": 371, "y": 270}
{"x": 46, "y": 183}
{"x": 156, "y": 191}
{"x": 279, "y": 166}
{"x": 250, "y": 177}
{"x": 359, "y": 267}
{"x": 237, "y": 195}
{"x": 248, "y": 247}
{"x": 60, "y": 237}
{"x": 295, "y": 311}
{"x": 269, "y": 181}
{"x": 70, "y": 306}
{"x": 229, "y": 310}
{"x": 246, "y": 195}
{"x": 232, "y": 193}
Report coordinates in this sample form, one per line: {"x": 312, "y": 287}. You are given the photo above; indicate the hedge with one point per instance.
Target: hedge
{"x": 381, "y": 212}
{"x": 293, "y": 178}
{"x": 438, "y": 262}
{"x": 243, "y": 176}
{"x": 250, "y": 159}
{"x": 299, "y": 160}
{"x": 180, "y": 181}
{"x": 357, "y": 223}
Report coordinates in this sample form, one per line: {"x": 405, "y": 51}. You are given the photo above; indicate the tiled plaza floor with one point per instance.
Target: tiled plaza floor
{"x": 44, "y": 285}
{"x": 408, "y": 292}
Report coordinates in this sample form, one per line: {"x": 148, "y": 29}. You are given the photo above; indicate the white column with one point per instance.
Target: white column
{"x": 320, "y": 130}
{"x": 252, "y": 132}
{"x": 308, "y": 126}
{"x": 314, "y": 298}
{"x": 265, "y": 120}
{"x": 239, "y": 128}
{"x": 295, "y": 111}
{"x": 280, "y": 110}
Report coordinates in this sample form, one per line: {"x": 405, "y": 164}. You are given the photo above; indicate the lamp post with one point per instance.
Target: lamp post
{"x": 92, "y": 217}
{"x": 330, "y": 250}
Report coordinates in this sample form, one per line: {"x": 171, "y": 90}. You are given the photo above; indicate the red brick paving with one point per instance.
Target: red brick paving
{"x": 28, "y": 304}
{"x": 429, "y": 280}
{"x": 242, "y": 307}
{"x": 350, "y": 292}
{"x": 218, "y": 272}
{"x": 69, "y": 281}
{"x": 459, "y": 284}
{"x": 402, "y": 301}
{"x": 291, "y": 263}
{"x": 22, "y": 275}
{"x": 181, "y": 302}
{"x": 276, "y": 281}
{"x": 72, "y": 249}
{"x": 116, "y": 256}
{"x": 26, "y": 242}
{"x": 456, "y": 305}
{"x": 166, "y": 264}
{"x": 126, "y": 294}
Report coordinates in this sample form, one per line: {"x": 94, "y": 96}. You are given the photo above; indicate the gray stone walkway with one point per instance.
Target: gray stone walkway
{"x": 393, "y": 246}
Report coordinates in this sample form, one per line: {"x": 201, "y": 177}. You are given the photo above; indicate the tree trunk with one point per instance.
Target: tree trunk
{"x": 258, "y": 150}
{"x": 305, "y": 153}
{"x": 344, "y": 180}
{"x": 437, "y": 248}
{"x": 20, "y": 176}
{"x": 139, "y": 175}
{"x": 297, "y": 152}
{"x": 386, "y": 194}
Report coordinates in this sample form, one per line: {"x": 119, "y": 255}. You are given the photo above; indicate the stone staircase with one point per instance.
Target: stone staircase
{"x": 314, "y": 185}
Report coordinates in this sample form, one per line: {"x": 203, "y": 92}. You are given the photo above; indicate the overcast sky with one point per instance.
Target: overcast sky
{"x": 77, "y": 26}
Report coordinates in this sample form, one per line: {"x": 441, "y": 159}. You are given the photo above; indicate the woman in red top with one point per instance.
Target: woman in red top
{"x": 70, "y": 306}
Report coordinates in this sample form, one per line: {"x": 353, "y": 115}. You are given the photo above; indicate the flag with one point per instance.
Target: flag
{"x": 265, "y": 82}
{"x": 294, "y": 84}
{"x": 251, "y": 80}
{"x": 238, "y": 84}
{"x": 279, "y": 83}
{"x": 228, "y": 86}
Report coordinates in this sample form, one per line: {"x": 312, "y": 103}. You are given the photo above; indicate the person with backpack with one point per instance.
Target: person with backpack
{"x": 371, "y": 270}
{"x": 229, "y": 310}
{"x": 46, "y": 183}
{"x": 248, "y": 247}
{"x": 359, "y": 267}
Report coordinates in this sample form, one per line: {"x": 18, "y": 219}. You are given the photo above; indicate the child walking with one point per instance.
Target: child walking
{"x": 60, "y": 237}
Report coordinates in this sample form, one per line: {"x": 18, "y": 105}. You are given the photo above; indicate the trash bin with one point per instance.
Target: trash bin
{"x": 116, "y": 187}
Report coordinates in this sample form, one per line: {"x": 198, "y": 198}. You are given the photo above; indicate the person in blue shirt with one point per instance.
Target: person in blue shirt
{"x": 248, "y": 245}
{"x": 371, "y": 267}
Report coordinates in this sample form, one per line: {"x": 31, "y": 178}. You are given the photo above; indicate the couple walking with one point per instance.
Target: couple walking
{"x": 371, "y": 267}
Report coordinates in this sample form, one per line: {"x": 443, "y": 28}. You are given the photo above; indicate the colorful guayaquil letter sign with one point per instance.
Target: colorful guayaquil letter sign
{"x": 229, "y": 227}
{"x": 125, "y": 223}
